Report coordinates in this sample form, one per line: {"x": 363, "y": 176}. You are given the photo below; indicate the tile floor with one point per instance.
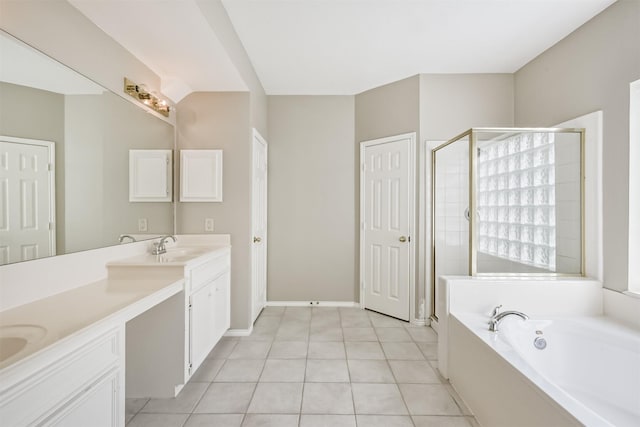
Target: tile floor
{"x": 310, "y": 367}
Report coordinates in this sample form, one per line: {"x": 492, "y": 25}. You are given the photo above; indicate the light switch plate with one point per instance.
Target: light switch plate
{"x": 208, "y": 224}
{"x": 142, "y": 224}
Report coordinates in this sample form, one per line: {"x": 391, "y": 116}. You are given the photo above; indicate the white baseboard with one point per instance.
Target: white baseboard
{"x": 312, "y": 304}
{"x": 239, "y": 332}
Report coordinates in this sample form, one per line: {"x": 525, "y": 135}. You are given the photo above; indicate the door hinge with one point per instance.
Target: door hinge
{"x": 50, "y": 226}
{"x": 49, "y": 167}
{"x": 364, "y": 167}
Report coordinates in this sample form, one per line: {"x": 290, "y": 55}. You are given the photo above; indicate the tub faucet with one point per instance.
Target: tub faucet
{"x": 160, "y": 248}
{"x": 497, "y": 316}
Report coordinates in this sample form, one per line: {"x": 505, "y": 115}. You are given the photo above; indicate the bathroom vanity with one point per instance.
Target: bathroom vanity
{"x": 67, "y": 359}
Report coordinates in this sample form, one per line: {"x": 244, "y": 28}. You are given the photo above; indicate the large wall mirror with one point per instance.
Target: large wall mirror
{"x": 81, "y": 201}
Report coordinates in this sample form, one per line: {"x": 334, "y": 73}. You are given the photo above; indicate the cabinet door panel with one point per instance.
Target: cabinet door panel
{"x": 202, "y": 321}
{"x": 96, "y": 407}
{"x": 221, "y": 306}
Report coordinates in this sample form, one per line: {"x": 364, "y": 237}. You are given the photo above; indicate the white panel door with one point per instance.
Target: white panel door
{"x": 26, "y": 200}
{"x": 386, "y": 204}
{"x": 259, "y": 226}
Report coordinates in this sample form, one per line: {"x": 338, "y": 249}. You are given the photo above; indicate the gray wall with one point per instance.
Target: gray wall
{"x": 591, "y": 70}
{"x": 312, "y": 199}
{"x": 221, "y": 120}
{"x": 452, "y": 103}
{"x": 389, "y": 110}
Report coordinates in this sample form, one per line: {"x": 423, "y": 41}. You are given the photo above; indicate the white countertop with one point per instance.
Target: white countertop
{"x": 67, "y": 313}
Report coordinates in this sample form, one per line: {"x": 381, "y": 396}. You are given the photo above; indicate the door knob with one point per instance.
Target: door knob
{"x": 257, "y": 240}
{"x": 402, "y": 239}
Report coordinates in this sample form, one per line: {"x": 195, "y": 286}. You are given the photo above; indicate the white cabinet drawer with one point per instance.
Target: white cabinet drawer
{"x": 32, "y": 400}
{"x": 208, "y": 271}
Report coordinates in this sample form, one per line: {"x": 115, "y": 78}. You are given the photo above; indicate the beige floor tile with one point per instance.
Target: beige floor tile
{"x": 402, "y": 351}
{"x": 209, "y": 420}
{"x": 272, "y": 311}
{"x": 364, "y": 350}
{"x": 399, "y": 334}
{"x": 384, "y": 421}
{"x": 440, "y": 421}
{"x": 381, "y": 399}
{"x": 370, "y": 371}
{"x": 327, "y": 371}
{"x": 300, "y": 313}
{"x": 240, "y": 370}
{"x": 327, "y": 398}
{"x": 327, "y": 420}
{"x": 276, "y": 398}
{"x": 429, "y": 349}
{"x": 270, "y": 420}
{"x": 382, "y": 321}
{"x": 326, "y": 350}
{"x": 355, "y": 322}
{"x": 326, "y": 334}
{"x": 226, "y": 398}
{"x": 183, "y": 404}
{"x": 207, "y": 371}
{"x": 359, "y": 334}
{"x": 413, "y": 371}
{"x": 293, "y": 331}
{"x": 428, "y": 399}
{"x": 288, "y": 350}
{"x": 158, "y": 420}
{"x": 250, "y": 350}
{"x": 423, "y": 334}
{"x": 267, "y": 322}
{"x": 284, "y": 370}
{"x": 132, "y": 407}
{"x": 222, "y": 349}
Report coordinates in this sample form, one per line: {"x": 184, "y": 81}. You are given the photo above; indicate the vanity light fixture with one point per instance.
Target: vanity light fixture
{"x": 141, "y": 94}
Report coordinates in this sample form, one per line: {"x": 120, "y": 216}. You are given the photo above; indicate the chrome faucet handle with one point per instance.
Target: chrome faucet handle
{"x": 496, "y": 310}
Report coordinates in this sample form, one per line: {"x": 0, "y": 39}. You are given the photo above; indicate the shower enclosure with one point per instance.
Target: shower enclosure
{"x": 508, "y": 201}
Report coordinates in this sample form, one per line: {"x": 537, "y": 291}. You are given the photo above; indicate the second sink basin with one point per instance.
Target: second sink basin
{"x": 14, "y": 338}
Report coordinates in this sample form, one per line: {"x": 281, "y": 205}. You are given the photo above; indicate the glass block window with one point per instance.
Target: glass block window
{"x": 516, "y": 199}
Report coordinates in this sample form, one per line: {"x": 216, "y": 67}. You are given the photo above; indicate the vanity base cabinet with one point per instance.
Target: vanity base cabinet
{"x": 209, "y": 317}
{"x": 78, "y": 382}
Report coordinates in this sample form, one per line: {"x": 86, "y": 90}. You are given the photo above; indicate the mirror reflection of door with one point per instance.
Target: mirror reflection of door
{"x": 259, "y": 225}
{"x": 26, "y": 186}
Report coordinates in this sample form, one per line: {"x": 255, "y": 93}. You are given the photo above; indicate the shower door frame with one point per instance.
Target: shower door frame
{"x": 473, "y": 253}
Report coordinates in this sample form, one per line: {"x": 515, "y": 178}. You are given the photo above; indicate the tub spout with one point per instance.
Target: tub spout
{"x": 496, "y": 318}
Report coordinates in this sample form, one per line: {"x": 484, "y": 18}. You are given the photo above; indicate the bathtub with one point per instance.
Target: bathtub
{"x": 588, "y": 373}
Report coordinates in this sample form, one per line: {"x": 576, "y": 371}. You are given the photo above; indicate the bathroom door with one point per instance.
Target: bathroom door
{"x": 259, "y": 226}
{"x": 386, "y": 213}
{"x": 26, "y": 182}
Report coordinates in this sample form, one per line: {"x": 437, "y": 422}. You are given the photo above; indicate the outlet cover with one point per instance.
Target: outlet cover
{"x": 142, "y": 224}
{"x": 208, "y": 224}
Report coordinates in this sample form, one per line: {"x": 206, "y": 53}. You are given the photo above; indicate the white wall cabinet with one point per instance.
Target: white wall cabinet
{"x": 200, "y": 175}
{"x": 150, "y": 176}
{"x": 77, "y": 382}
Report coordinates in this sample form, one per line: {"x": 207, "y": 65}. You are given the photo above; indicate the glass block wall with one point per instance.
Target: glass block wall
{"x": 516, "y": 216}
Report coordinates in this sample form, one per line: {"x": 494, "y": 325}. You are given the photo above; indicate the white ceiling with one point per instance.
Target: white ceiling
{"x": 333, "y": 47}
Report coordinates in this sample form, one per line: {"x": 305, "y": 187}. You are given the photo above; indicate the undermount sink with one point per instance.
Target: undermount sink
{"x": 180, "y": 254}
{"x": 14, "y": 338}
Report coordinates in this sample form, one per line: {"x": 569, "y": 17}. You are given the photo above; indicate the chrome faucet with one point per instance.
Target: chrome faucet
{"x": 497, "y": 316}
{"x": 126, "y": 236}
{"x": 160, "y": 247}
